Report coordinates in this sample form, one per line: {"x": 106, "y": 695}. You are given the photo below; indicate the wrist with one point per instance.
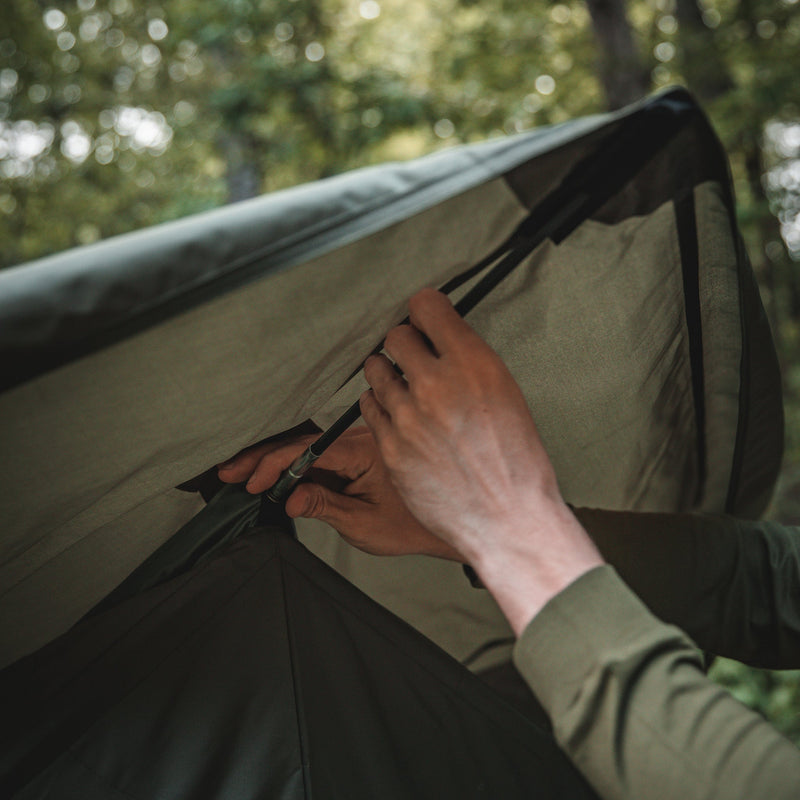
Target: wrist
{"x": 438, "y": 548}
{"x": 525, "y": 568}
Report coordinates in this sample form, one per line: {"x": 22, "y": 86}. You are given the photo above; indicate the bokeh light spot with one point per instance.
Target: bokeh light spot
{"x": 54, "y": 19}
{"x": 444, "y": 129}
{"x": 157, "y": 29}
{"x": 369, "y": 9}
{"x": 65, "y": 41}
{"x": 315, "y": 51}
{"x": 664, "y": 51}
{"x": 667, "y": 24}
{"x": 150, "y": 55}
{"x": 545, "y": 84}
{"x": 284, "y": 31}
{"x": 372, "y": 117}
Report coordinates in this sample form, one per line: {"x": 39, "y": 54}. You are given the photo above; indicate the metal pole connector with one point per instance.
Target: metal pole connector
{"x": 291, "y": 476}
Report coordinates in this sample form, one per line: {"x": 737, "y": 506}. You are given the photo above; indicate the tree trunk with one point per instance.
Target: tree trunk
{"x": 622, "y": 72}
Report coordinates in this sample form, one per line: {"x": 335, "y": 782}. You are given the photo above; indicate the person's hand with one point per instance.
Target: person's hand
{"x": 364, "y": 507}
{"x": 464, "y": 452}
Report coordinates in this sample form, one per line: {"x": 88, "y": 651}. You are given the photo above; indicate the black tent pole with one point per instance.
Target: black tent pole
{"x": 584, "y": 190}
{"x": 281, "y": 489}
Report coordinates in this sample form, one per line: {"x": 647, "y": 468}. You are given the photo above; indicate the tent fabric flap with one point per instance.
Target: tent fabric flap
{"x": 632, "y": 325}
{"x": 260, "y": 672}
{"x": 60, "y": 307}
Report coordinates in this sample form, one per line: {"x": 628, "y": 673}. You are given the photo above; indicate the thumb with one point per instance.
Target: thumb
{"x": 318, "y": 502}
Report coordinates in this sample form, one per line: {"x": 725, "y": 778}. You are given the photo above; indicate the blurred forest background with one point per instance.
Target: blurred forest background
{"x": 115, "y": 115}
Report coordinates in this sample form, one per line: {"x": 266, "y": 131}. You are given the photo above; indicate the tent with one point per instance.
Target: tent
{"x": 137, "y": 622}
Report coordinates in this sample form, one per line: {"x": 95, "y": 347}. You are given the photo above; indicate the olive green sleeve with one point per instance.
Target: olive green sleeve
{"x": 732, "y": 585}
{"x": 631, "y": 707}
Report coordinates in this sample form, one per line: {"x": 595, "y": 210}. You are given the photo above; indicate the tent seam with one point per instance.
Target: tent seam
{"x": 305, "y": 766}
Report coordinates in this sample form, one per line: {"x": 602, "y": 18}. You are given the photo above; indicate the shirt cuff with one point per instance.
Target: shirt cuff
{"x": 596, "y": 619}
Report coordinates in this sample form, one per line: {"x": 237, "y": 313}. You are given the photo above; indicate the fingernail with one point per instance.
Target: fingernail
{"x": 225, "y": 464}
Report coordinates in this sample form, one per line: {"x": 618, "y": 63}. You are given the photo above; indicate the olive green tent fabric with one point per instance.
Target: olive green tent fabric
{"x": 106, "y": 438}
{"x": 636, "y": 333}
{"x": 237, "y": 665}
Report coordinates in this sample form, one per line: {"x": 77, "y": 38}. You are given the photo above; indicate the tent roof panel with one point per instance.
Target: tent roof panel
{"x": 63, "y": 306}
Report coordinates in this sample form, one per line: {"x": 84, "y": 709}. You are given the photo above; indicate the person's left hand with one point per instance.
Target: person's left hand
{"x": 364, "y": 508}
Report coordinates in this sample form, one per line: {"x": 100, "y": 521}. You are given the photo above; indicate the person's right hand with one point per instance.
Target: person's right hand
{"x": 365, "y": 508}
{"x": 461, "y": 446}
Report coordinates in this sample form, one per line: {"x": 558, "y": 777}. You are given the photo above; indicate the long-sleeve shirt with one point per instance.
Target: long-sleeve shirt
{"x": 629, "y": 701}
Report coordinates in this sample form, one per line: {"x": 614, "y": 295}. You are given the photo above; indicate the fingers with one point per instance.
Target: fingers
{"x": 311, "y": 500}
{"x": 375, "y": 415}
{"x": 432, "y": 313}
{"x": 272, "y": 464}
{"x": 350, "y": 456}
{"x": 390, "y": 388}
{"x": 407, "y": 347}
{"x": 245, "y": 463}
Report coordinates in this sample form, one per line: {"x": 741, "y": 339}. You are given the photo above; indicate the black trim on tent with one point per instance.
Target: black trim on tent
{"x": 759, "y": 438}
{"x": 687, "y": 241}
{"x": 744, "y": 408}
{"x": 587, "y": 187}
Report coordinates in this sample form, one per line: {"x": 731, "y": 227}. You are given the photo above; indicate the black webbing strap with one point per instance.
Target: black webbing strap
{"x": 685, "y": 219}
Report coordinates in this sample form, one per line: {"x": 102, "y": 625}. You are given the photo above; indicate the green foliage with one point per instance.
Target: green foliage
{"x": 775, "y": 695}
{"x": 239, "y": 98}
{"x": 254, "y": 96}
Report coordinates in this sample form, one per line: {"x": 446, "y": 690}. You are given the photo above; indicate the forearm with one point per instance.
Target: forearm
{"x": 626, "y": 694}
{"x": 631, "y": 707}
{"x": 732, "y": 585}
